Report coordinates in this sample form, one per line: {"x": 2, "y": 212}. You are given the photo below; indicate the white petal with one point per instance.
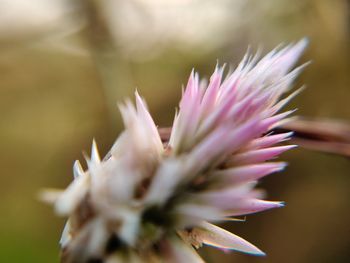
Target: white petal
{"x": 65, "y": 238}
{"x": 215, "y": 236}
{"x": 77, "y": 169}
{"x": 98, "y": 237}
{"x": 130, "y": 228}
{"x": 180, "y": 252}
{"x": 50, "y": 196}
{"x": 95, "y": 157}
{"x": 166, "y": 179}
{"x": 72, "y": 196}
{"x": 192, "y": 214}
{"x": 145, "y": 116}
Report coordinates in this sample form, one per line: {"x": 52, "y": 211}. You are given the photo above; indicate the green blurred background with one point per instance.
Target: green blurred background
{"x": 63, "y": 67}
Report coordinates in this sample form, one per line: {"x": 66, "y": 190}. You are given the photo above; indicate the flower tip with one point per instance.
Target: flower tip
{"x": 140, "y": 103}
{"x": 257, "y": 253}
{"x": 77, "y": 169}
{"x": 292, "y": 146}
{"x": 217, "y": 67}
{"x": 281, "y": 166}
{"x": 281, "y": 204}
{"x": 260, "y": 254}
{"x": 95, "y": 157}
{"x": 304, "y": 42}
{"x": 137, "y": 95}
{"x": 193, "y": 72}
{"x": 289, "y": 135}
{"x": 49, "y": 196}
{"x": 253, "y": 252}
{"x": 301, "y": 45}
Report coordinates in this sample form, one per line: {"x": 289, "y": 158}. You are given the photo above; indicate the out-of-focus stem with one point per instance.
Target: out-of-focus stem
{"x": 112, "y": 69}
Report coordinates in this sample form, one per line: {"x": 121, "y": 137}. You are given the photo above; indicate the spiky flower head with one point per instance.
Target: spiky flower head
{"x": 154, "y": 201}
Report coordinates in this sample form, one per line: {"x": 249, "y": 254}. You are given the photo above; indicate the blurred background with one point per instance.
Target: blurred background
{"x": 64, "y": 64}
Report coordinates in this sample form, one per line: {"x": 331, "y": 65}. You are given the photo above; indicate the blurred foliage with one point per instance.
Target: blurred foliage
{"x": 56, "y": 94}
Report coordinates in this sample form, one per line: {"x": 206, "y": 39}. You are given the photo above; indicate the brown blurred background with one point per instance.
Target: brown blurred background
{"x": 65, "y": 64}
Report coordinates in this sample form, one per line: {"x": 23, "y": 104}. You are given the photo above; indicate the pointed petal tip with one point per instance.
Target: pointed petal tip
{"x": 289, "y": 134}
{"x": 220, "y": 238}
{"x": 305, "y": 41}
{"x": 285, "y": 148}
{"x": 95, "y": 157}
{"x": 300, "y": 45}
{"x": 256, "y": 252}
{"x": 76, "y": 164}
{"x": 273, "y": 204}
{"x": 259, "y": 253}
{"x": 217, "y": 65}
{"x": 219, "y": 68}
{"x": 281, "y": 204}
{"x": 138, "y": 97}
{"x": 193, "y": 72}
{"x": 281, "y": 166}
{"x": 292, "y": 146}
{"x": 77, "y": 169}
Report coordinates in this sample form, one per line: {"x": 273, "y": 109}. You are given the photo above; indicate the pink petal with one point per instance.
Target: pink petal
{"x": 188, "y": 117}
{"x": 190, "y": 91}
{"x": 248, "y": 172}
{"x": 267, "y": 141}
{"x": 287, "y": 60}
{"x": 261, "y": 155}
{"x": 250, "y": 206}
{"x": 272, "y": 122}
{"x": 224, "y": 140}
{"x": 226, "y": 198}
{"x": 211, "y": 93}
{"x": 214, "y": 118}
{"x": 242, "y": 109}
{"x": 284, "y": 101}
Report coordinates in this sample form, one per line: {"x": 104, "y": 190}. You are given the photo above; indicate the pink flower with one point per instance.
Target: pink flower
{"x": 149, "y": 201}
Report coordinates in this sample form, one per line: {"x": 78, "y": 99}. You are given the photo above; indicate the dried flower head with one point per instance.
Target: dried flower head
{"x": 152, "y": 201}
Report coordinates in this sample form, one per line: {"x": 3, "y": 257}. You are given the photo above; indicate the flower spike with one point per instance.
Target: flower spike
{"x": 154, "y": 201}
